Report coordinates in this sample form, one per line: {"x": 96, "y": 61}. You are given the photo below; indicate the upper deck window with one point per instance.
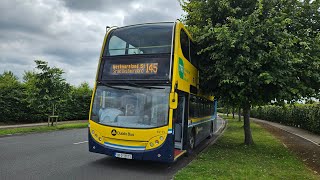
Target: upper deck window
{"x": 140, "y": 39}
{"x": 185, "y": 44}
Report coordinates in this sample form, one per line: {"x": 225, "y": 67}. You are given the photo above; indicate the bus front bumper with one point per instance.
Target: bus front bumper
{"x": 163, "y": 153}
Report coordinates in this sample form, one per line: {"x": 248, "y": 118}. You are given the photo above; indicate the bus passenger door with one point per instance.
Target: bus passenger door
{"x": 179, "y": 119}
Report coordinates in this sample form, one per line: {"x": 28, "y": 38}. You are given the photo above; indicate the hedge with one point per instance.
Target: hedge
{"x": 15, "y": 107}
{"x": 305, "y": 116}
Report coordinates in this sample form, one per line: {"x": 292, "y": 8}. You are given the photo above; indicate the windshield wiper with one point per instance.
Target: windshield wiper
{"x": 110, "y": 86}
{"x": 141, "y": 86}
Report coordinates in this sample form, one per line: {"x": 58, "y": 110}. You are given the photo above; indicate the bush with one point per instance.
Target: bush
{"x": 305, "y": 116}
{"x": 19, "y": 101}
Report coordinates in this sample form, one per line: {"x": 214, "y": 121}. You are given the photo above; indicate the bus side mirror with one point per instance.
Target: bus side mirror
{"x": 173, "y": 100}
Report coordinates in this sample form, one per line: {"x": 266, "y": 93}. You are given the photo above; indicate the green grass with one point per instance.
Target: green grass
{"x": 42, "y": 128}
{"x": 229, "y": 158}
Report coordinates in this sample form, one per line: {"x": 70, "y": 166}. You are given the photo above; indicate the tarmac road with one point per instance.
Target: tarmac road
{"x": 64, "y": 155}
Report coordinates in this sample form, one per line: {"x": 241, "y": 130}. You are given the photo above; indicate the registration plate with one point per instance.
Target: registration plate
{"x": 123, "y": 155}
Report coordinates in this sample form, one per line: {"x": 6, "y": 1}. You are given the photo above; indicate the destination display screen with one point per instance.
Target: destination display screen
{"x": 138, "y": 67}
{"x": 135, "y": 68}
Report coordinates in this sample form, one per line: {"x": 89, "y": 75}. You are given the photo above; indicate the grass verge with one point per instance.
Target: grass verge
{"x": 42, "y": 128}
{"x": 229, "y": 158}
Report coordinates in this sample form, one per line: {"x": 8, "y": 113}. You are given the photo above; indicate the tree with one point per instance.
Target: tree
{"x": 257, "y": 51}
{"x": 30, "y": 81}
{"x": 49, "y": 86}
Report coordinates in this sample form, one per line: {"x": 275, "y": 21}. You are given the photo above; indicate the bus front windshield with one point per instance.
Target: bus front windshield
{"x": 131, "y": 107}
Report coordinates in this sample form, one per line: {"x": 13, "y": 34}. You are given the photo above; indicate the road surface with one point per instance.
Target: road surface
{"x": 64, "y": 155}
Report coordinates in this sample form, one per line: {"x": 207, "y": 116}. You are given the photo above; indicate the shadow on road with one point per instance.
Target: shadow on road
{"x": 144, "y": 169}
{"x": 134, "y": 165}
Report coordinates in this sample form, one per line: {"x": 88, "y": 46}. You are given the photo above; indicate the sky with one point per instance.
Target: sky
{"x": 68, "y": 34}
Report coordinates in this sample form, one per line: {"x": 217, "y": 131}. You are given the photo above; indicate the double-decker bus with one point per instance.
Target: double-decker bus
{"x": 146, "y": 103}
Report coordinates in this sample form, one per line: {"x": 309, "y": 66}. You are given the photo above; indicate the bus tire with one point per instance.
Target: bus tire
{"x": 191, "y": 142}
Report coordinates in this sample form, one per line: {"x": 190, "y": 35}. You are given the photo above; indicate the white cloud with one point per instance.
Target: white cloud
{"x": 69, "y": 33}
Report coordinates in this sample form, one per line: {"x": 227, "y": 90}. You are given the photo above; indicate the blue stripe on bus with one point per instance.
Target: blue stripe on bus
{"x": 200, "y": 122}
{"x": 124, "y": 147}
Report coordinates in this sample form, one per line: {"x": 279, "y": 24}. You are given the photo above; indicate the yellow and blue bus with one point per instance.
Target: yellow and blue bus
{"x": 146, "y": 103}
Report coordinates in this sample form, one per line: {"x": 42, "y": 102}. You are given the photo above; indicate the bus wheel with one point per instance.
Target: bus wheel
{"x": 191, "y": 142}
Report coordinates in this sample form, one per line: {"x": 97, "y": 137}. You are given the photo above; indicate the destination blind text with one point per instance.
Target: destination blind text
{"x": 139, "y": 68}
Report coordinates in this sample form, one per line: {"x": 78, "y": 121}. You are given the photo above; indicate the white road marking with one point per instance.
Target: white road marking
{"x": 80, "y": 142}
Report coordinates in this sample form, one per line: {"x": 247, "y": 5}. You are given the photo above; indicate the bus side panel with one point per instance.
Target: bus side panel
{"x": 202, "y": 131}
{"x": 162, "y": 154}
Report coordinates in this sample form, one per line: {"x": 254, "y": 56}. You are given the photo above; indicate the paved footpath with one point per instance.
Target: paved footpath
{"x": 315, "y": 139}
{"x": 40, "y": 124}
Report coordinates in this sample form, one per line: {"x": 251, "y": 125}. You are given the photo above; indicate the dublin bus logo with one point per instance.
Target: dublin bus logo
{"x": 113, "y": 132}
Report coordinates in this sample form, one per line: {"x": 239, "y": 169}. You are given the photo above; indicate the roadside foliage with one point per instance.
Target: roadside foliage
{"x": 305, "y": 116}
{"x": 257, "y": 51}
{"x": 42, "y": 90}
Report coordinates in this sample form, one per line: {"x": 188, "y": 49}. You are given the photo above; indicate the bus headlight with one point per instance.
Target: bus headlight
{"x": 155, "y": 142}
